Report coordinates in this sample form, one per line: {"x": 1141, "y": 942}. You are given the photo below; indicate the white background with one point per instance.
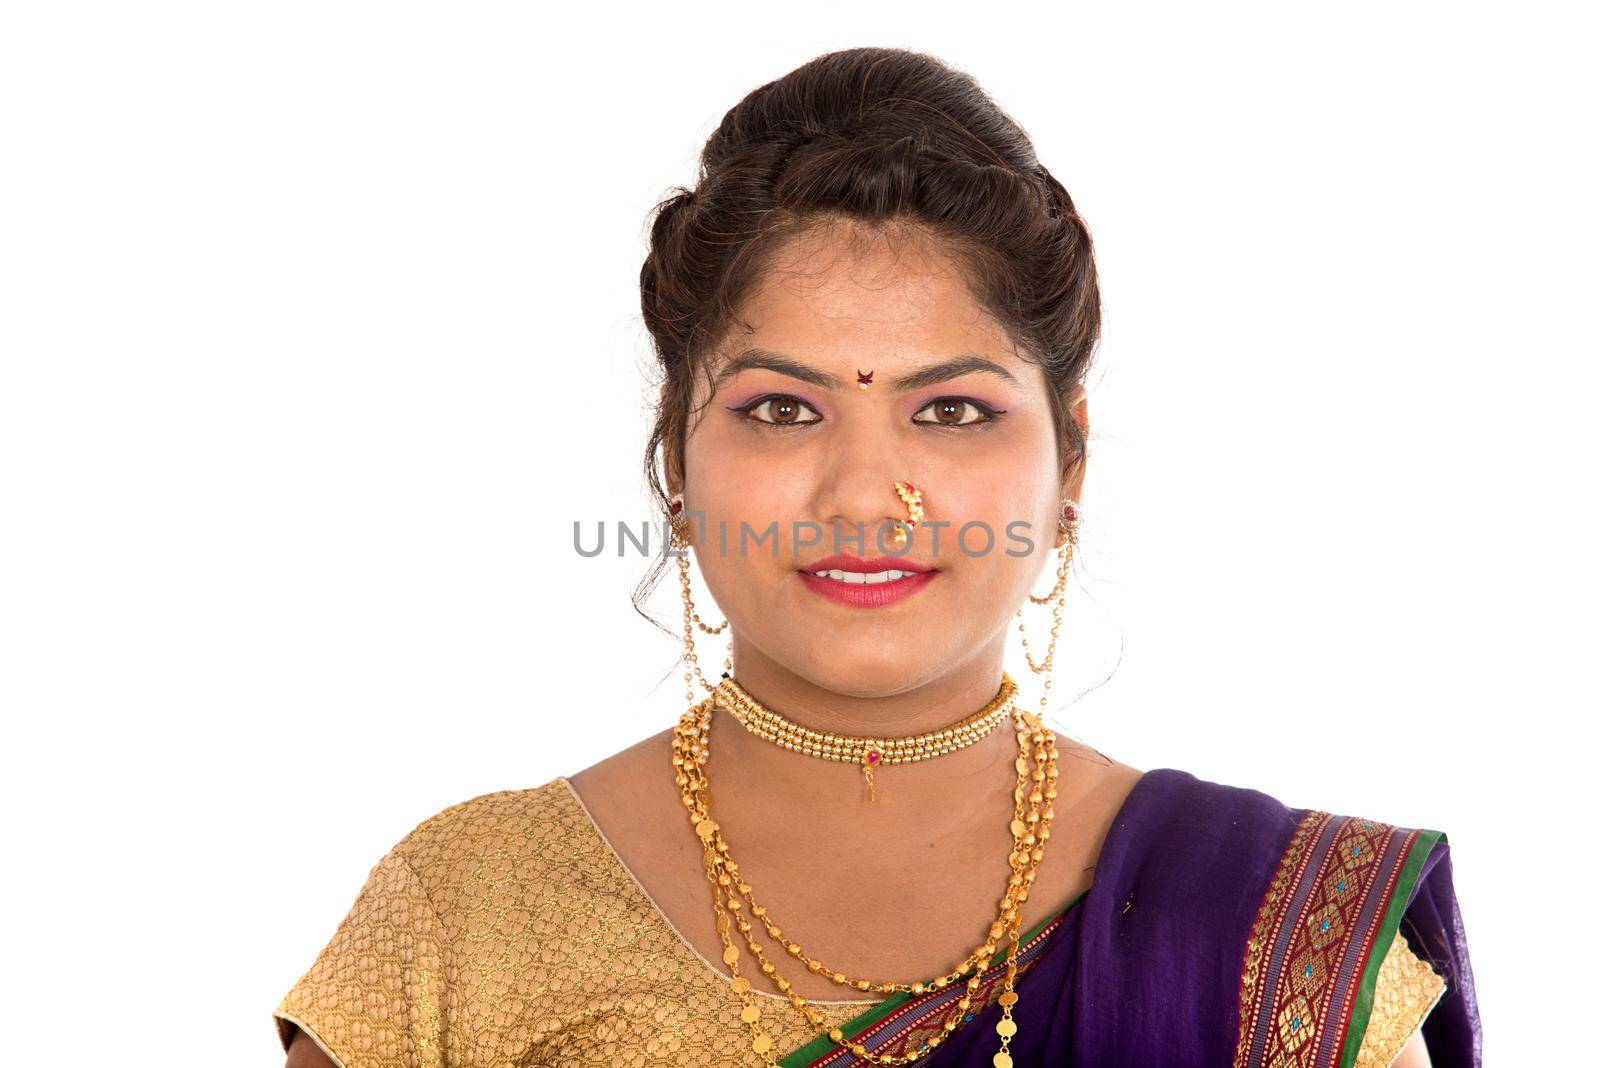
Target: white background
{"x": 320, "y": 330}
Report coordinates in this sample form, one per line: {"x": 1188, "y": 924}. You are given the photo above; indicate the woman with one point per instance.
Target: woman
{"x": 874, "y": 314}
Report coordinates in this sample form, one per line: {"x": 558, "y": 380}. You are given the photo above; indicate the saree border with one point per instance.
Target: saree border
{"x": 1318, "y": 937}
{"x": 1365, "y": 991}
{"x": 904, "y": 1021}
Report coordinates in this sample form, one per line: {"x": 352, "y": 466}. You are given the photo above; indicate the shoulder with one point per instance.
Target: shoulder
{"x": 523, "y": 838}
{"x": 494, "y": 815}
{"x": 1201, "y": 818}
{"x": 1233, "y": 903}
{"x": 1176, "y": 830}
{"x": 1253, "y": 853}
{"x": 1294, "y": 909}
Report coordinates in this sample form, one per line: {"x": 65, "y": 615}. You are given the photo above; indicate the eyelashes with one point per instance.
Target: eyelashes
{"x": 777, "y": 402}
{"x": 783, "y": 411}
{"x": 985, "y": 413}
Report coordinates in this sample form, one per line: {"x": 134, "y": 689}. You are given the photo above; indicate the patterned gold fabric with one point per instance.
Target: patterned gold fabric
{"x": 506, "y": 931}
{"x": 556, "y": 954}
{"x": 373, "y": 995}
{"x": 1407, "y": 991}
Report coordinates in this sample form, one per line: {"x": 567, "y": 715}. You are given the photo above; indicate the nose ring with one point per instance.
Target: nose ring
{"x": 911, "y": 497}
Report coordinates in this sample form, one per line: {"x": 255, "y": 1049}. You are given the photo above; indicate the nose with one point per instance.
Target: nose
{"x": 857, "y": 490}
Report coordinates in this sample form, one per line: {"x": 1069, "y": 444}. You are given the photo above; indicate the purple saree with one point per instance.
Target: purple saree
{"x": 1222, "y": 928}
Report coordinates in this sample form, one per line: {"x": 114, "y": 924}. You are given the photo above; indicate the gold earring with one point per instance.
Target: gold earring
{"x": 1067, "y": 543}
{"x": 911, "y": 497}
{"x": 691, "y": 617}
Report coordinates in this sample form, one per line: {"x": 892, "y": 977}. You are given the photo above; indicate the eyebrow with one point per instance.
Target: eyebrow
{"x": 944, "y": 371}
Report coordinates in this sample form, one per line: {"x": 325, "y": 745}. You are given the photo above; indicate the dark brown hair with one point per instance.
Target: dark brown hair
{"x": 880, "y": 137}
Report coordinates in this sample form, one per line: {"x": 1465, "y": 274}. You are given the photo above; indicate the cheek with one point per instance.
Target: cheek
{"x": 737, "y": 484}
{"x": 986, "y": 527}
{"x": 1021, "y": 451}
{"x": 998, "y": 560}
{"x": 997, "y": 488}
{"x": 738, "y": 488}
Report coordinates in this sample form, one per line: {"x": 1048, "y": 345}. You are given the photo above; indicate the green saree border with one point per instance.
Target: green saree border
{"x": 821, "y": 1044}
{"x": 1394, "y": 910}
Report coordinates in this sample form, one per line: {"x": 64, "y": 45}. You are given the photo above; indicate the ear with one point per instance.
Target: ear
{"x": 671, "y": 477}
{"x": 1072, "y": 478}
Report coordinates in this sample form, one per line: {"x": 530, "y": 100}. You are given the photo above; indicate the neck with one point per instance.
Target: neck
{"x": 747, "y": 770}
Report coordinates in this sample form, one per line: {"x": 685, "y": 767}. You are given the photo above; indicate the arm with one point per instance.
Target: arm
{"x": 1414, "y": 1054}
{"x": 377, "y": 984}
{"x": 303, "y": 1053}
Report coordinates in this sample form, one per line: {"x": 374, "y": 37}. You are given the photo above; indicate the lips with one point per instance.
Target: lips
{"x": 866, "y": 583}
{"x": 861, "y": 565}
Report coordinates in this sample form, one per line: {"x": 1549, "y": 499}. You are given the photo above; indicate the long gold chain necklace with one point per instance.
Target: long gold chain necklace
{"x": 867, "y": 753}
{"x": 1030, "y": 827}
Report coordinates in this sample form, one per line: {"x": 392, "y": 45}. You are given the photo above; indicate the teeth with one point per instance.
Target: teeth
{"x": 862, "y": 578}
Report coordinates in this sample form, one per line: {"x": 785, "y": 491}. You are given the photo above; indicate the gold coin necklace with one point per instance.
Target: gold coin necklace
{"x": 1030, "y": 827}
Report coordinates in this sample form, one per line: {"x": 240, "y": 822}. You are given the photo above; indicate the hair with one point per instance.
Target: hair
{"x": 887, "y": 139}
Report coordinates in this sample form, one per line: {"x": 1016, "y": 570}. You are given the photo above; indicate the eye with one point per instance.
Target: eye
{"x": 778, "y": 410}
{"x": 957, "y": 411}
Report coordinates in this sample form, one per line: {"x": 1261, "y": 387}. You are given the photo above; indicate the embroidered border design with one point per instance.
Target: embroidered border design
{"x": 909, "y": 1025}
{"x": 1385, "y": 871}
{"x": 1312, "y": 939}
{"x": 1264, "y": 932}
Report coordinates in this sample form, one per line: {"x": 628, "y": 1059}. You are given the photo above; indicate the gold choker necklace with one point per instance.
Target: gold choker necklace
{"x": 866, "y": 752}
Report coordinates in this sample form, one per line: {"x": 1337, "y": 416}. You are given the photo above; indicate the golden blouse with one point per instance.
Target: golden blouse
{"x": 559, "y": 956}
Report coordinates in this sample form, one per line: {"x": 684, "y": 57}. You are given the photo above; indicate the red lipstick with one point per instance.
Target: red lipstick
{"x": 866, "y": 583}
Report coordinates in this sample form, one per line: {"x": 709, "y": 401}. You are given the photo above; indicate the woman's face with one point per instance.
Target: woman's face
{"x": 804, "y": 447}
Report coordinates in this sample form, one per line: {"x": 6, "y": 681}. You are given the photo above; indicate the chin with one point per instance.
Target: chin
{"x": 869, "y": 673}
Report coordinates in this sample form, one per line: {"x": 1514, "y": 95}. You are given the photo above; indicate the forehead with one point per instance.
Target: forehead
{"x": 846, "y": 293}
